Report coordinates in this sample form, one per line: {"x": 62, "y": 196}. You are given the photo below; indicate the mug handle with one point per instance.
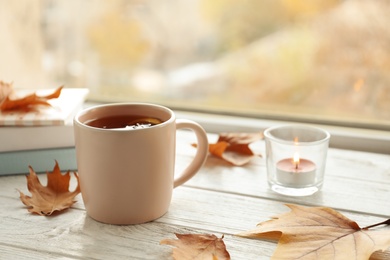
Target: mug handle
{"x": 201, "y": 152}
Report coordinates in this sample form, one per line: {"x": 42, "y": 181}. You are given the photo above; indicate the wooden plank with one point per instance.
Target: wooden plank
{"x": 351, "y": 183}
{"x": 220, "y": 199}
{"x": 15, "y": 252}
{"x": 75, "y": 235}
{"x": 355, "y": 181}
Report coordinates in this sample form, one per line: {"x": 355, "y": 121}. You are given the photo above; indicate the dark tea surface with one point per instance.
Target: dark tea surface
{"x": 124, "y": 121}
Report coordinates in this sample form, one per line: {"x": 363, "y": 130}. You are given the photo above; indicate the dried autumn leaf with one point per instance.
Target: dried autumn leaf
{"x": 53, "y": 197}
{"x": 234, "y": 147}
{"x": 197, "y": 246}
{"x": 5, "y": 89}
{"x": 320, "y": 233}
{"x": 28, "y": 101}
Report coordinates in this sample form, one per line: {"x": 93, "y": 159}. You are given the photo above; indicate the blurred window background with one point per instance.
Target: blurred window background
{"x": 311, "y": 61}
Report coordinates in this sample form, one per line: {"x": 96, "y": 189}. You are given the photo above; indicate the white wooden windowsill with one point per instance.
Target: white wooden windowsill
{"x": 358, "y": 139}
{"x": 221, "y": 199}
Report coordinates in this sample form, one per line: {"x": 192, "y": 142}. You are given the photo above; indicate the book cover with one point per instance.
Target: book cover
{"x": 35, "y": 137}
{"x": 48, "y": 127}
{"x": 42, "y": 160}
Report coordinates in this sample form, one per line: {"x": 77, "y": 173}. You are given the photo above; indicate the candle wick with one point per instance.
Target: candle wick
{"x": 296, "y": 166}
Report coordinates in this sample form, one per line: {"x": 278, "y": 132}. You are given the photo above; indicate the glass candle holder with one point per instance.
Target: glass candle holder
{"x": 296, "y": 158}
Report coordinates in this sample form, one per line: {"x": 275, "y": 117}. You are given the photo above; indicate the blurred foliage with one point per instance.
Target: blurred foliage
{"x": 238, "y": 23}
{"x": 118, "y": 39}
{"x": 329, "y": 57}
{"x": 302, "y": 9}
{"x": 336, "y": 63}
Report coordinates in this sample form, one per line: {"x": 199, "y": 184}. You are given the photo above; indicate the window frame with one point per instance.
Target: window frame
{"x": 342, "y": 137}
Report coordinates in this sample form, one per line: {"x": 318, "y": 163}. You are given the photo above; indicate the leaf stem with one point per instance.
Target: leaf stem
{"x": 386, "y": 222}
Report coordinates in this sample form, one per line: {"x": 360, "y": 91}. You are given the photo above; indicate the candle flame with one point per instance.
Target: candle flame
{"x": 296, "y": 160}
{"x": 296, "y": 155}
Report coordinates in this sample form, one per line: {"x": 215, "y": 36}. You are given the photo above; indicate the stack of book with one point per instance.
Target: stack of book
{"x": 39, "y": 138}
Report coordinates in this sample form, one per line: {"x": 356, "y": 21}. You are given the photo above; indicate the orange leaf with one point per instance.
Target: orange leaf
{"x": 218, "y": 148}
{"x": 195, "y": 246}
{"x": 28, "y": 101}
{"x": 234, "y": 147}
{"x": 55, "y": 94}
{"x": 53, "y": 197}
{"x": 320, "y": 233}
{"x": 240, "y": 138}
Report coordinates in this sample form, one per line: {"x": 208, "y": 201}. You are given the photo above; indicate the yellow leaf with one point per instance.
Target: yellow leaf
{"x": 197, "y": 247}
{"x": 320, "y": 233}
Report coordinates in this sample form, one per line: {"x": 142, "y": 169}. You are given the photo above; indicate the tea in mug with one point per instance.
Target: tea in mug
{"x": 124, "y": 121}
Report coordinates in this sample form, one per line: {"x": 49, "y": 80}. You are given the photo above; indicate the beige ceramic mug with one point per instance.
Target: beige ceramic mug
{"x": 127, "y": 174}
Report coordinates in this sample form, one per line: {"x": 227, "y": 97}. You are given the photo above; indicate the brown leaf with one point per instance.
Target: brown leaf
{"x": 240, "y": 138}
{"x": 234, "y": 147}
{"x": 237, "y": 152}
{"x": 320, "y": 233}
{"x": 218, "y": 148}
{"x": 53, "y": 197}
{"x": 28, "y": 101}
{"x": 195, "y": 246}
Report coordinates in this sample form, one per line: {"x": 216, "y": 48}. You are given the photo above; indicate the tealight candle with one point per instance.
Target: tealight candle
{"x": 295, "y": 171}
{"x": 295, "y": 157}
